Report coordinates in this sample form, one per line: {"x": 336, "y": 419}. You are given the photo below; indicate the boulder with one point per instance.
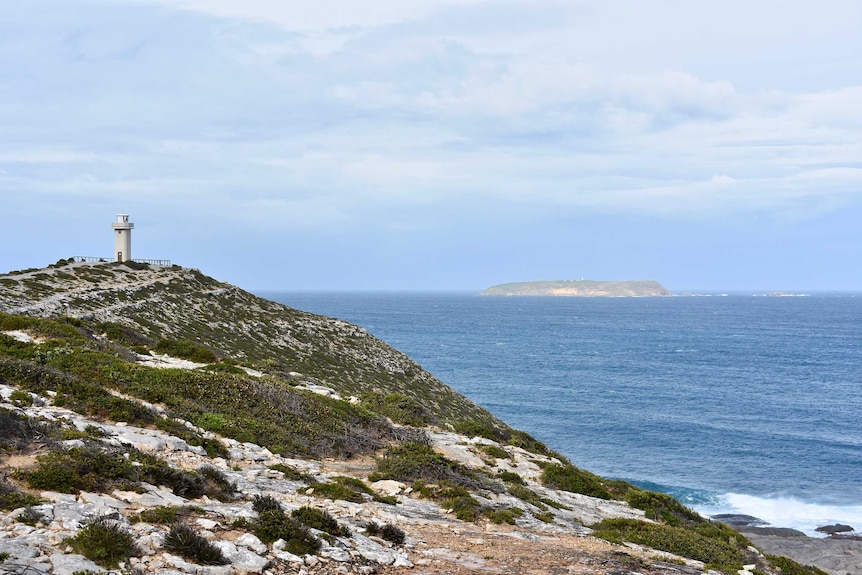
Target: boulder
{"x": 836, "y": 528}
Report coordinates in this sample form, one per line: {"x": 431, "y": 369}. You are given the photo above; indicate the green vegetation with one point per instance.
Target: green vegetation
{"x": 545, "y": 516}
{"x": 415, "y": 461}
{"x": 791, "y": 567}
{"x": 223, "y": 368}
{"x": 216, "y": 484}
{"x": 570, "y": 478}
{"x": 16, "y": 431}
{"x": 387, "y": 531}
{"x": 273, "y": 525}
{"x": 510, "y": 477}
{"x": 452, "y": 497}
{"x": 188, "y": 544}
{"x": 20, "y": 398}
{"x": 186, "y": 350}
{"x": 291, "y": 473}
{"x": 527, "y": 495}
{"x": 507, "y": 515}
{"x": 320, "y": 520}
{"x": 720, "y": 554}
{"x": 268, "y": 413}
{"x": 104, "y": 542}
{"x": 335, "y": 490}
{"x": 398, "y": 407}
{"x": 495, "y": 451}
{"x": 101, "y": 470}
{"x": 661, "y": 507}
{"x": 165, "y": 515}
{"x": 261, "y": 503}
{"x": 11, "y": 498}
{"x": 253, "y": 331}
{"x": 29, "y": 516}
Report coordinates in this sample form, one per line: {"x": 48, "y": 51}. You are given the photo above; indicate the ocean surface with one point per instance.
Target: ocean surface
{"x": 736, "y": 404}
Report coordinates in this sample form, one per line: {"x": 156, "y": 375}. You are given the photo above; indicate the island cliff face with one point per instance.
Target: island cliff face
{"x": 580, "y": 288}
{"x": 157, "y": 421}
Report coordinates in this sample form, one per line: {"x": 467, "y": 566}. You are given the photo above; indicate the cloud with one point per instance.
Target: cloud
{"x": 337, "y": 114}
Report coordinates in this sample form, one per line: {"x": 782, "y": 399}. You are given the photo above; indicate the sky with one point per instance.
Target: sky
{"x": 710, "y": 145}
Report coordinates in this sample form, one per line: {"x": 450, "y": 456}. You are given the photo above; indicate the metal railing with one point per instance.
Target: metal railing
{"x": 165, "y": 263}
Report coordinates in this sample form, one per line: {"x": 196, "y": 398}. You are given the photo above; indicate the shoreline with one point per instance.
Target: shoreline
{"x": 835, "y": 555}
{"x": 838, "y": 552}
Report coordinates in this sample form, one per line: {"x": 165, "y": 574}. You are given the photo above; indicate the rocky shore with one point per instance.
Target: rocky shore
{"x": 840, "y": 553}
{"x": 33, "y": 540}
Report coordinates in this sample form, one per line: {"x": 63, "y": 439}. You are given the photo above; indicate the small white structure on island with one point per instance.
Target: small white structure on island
{"x": 122, "y": 238}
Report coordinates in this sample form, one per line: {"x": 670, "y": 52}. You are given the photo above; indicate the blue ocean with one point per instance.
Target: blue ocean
{"x": 736, "y": 404}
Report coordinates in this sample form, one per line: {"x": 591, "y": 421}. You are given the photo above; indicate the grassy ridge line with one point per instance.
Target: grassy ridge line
{"x": 184, "y": 304}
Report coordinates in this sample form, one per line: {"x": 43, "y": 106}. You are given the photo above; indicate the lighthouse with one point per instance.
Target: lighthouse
{"x": 122, "y": 238}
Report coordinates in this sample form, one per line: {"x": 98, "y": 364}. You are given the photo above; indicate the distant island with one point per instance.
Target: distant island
{"x": 579, "y": 288}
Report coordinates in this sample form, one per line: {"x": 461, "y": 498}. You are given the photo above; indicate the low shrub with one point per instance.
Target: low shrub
{"x": 790, "y": 567}
{"x": 452, "y": 497}
{"x": 80, "y": 469}
{"x": 398, "y": 407}
{"x": 291, "y": 473}
{"x": 186, "y": 350}
{"x": 216, "y": 483}
{"x": 223, "y": 368}
{"x": 661, "y": 507}
{"x": 495, "y": 451}
{"x": 215, "y": 422}
{"x": 163, "y": 515}
{"x": 29, "y": 516}
{"x": 11, "y": 498}
{"x": 320, "y": 520}
{"x": 415, "y": 461}
{"x": 20, "y": 398}
{"x": 17, "y": 431}
{"x": 273, "y": 525}
{"x": 261, "y": 503}
{"x": 104, "y": 542}
{"x": 334, "y": 490}
{"x": 188, "y": 544}
{"x": 721, "y": 554}
{"x": 123, "y": 335}
{"x": 166, "y": 514}
{"x": 387, "y": 499}
{"x": 570, "y": 478}
{"x": 465, "y": 507}
{"x": 510, "y": 477}
{"x": 500, "y": 516}
{"x": 94, "y": 469}
{"x": 388, "y": 532}
{"x": 526, "y": 495}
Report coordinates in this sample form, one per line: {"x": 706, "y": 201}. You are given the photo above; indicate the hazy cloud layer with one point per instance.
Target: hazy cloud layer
{"x": 433, "y": 118}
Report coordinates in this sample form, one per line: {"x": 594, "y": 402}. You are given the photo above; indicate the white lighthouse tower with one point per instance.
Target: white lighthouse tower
{"x": 122, "y": 238}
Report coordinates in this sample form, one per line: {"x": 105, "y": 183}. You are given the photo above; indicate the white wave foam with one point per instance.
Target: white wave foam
{"x": 787, "y": 512}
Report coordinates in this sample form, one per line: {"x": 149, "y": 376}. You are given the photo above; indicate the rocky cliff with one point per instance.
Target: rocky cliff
{"x": 159, "y": 421}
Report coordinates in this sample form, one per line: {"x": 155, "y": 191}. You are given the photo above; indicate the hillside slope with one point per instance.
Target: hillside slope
{"x": 157, "y": 420}
{"x": 184, "y": 304}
